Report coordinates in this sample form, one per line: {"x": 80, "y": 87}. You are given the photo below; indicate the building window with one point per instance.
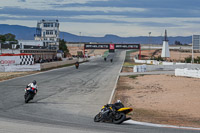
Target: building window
{"x": 51, "y": 32}
{"x": 47, "y": 32}
{"x": 52, "y": 39}
{"x": 45, "y": 24}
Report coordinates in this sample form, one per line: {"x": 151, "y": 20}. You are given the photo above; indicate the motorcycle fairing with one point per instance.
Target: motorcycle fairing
{"x": 127, "y": 110}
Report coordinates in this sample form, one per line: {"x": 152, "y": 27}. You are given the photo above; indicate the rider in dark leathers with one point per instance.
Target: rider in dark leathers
{"x": 114, "y": 107}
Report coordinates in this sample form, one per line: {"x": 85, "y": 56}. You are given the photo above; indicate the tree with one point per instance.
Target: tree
{"x": 178, "y": 43}
{"x": 7, "y": 37}
{"x": 2, "y": 38}
{"x": 63, "y": 47}
{"x": 10, "y": 37}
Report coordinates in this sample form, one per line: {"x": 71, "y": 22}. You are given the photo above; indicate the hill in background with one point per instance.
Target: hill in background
{"x": 27, "y": 33}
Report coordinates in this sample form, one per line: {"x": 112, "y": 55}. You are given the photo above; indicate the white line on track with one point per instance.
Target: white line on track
{"x": 158, "y": 125}
{"x": 115, "y": 86}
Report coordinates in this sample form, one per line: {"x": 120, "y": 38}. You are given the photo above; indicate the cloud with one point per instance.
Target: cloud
{"x": 143, "y": 14}
{"x": 139, "y": 3}
{"x": 22, "y": 0}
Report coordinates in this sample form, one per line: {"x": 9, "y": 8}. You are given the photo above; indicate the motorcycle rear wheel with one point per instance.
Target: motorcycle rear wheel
{"x": 119, "y": 118}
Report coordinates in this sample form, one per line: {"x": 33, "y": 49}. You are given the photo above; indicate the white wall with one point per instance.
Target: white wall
{"x": 9, "y": 60}
{"x": 139, "y": 68}
{"x": 195, "y": 73}
{"x": 30, "y": 42}
{"x": 18, "y": 68}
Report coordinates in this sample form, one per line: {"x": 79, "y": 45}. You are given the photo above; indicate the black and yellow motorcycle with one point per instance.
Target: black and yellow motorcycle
{"x": 110, "y": 114}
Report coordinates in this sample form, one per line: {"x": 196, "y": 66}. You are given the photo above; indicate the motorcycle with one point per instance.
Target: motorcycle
{"x": 29, "y": 94}
{"x": 109, "y": 114}
{"x": 77, "y": 65}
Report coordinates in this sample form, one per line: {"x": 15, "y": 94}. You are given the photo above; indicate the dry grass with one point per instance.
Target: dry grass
{"x": 10, "y": 75}
{"x": 161, "y": 99}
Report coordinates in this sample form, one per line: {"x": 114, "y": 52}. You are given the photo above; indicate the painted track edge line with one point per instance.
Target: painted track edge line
{"x": 113, "y": 91}
{"x": 159, "y": 125}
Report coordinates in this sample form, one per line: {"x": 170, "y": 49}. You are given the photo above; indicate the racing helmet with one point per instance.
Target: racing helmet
{"x": 118, "y": 101}
{"x": 34, "y": 82}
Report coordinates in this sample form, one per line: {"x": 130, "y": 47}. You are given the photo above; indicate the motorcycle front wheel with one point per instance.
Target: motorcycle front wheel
{"x": 98, "y": 117}
{"x": 119, "y": 118}
{"x": 28, "y": 97}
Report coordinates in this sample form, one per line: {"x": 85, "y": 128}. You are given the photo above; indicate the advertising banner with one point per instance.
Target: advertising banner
{"x": 9, "y": 60}
{"x": 96, "y": 46}
{"x": 112, "y": 46}
{"x": 127, "y": 46}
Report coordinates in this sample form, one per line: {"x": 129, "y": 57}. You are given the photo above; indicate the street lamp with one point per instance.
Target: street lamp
{"x": 149, "y": 42}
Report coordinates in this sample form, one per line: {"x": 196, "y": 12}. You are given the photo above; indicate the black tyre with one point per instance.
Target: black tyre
{"x": 28, "y": 98}
{"x": 119, "y": 118}
{"x": 97, "y": 118}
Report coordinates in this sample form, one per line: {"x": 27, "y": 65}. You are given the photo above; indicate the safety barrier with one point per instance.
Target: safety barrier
{"x": 139, "y": 68}
{"x": 195, "y": 73}
{"x": 155, "y": 62}
{"x": 37, "y": 67}
{"x": 18, "y": 68}
{"x": 163, "y": 66}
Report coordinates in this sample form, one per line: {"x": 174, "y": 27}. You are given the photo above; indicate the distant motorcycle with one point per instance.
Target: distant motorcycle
{"x": 77, "y": 65}
{"x": 108, "y": 114}
{"x": 29, "y": 94}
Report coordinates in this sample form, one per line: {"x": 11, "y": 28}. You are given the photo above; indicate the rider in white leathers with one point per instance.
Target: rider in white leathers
{"x": 32, "y": 86}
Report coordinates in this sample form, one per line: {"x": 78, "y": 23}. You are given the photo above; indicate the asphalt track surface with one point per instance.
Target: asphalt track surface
{"x": 67, "y": 101}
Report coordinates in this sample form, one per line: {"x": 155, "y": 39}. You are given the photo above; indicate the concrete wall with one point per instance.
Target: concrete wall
{"x": 171, "y": 67}
{"x": 195, "y": 73}
{"x": 57, "y": 64}
{"x": 10, "y": 51}
{"x": 20, "y": 68}
{"x": 166, "y": 66}
{"x": 37, "y": 67}
{"x": 2, "y": 68}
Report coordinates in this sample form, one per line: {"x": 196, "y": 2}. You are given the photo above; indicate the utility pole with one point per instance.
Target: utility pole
{"x": 192, "y": 49}
{"x": 149, "y": 42}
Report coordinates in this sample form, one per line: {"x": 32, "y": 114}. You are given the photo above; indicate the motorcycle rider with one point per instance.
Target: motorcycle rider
{"x": 114, "y": 107}
{"x": 117, "y": 105}
{"x": 77, "y": 64}
{"x": 32, "y": 86}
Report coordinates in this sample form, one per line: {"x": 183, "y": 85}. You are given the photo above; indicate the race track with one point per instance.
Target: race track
{"x": 67, "y": 101}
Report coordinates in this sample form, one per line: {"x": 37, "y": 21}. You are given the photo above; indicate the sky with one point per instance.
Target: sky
{"x": 125, "y": 18}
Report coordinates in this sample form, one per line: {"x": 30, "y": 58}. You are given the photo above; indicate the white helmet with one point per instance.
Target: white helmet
{"x": 118, "y": 101}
